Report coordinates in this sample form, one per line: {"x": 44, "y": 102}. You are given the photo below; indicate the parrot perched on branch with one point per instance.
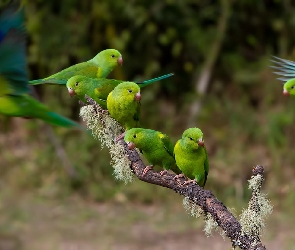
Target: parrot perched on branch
{"x": 99, "y": 66}
{"x": 14, "y": 89}
{"x": 191, "y": 156}
{"x": 99, "y": 88}
{"x": 123, "y": 104}
{"x": 156, "y": 147}
{"x": 287, "y": 70}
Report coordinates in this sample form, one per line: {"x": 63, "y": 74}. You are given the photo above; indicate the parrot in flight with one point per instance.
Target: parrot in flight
{"x": 97, "y": 67}
{"x": 286, "y": 68}
{"x": 155, "y": 146}
{"x": 123, "y": 104}
{"x": 191, "y": 156}
{"x": 99, "y": 88}
{"x": 14, "y": 89}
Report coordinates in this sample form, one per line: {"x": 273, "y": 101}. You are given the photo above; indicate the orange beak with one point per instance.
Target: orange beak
{"x": 71, "y": 92}
{"x": 137, "y": 97}
{"x": 120, "y": 60}
{"x": 286, "y": 93}
{"x": 131, "y": 145}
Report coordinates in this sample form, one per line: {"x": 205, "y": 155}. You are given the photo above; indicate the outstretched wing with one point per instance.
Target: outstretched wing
{"x": 286, "y": 68}
{"x": 13, "y": 73}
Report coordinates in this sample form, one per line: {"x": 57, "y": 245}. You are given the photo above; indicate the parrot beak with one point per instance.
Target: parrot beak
{"x": 131, "y": 145}
{"x": 120, "y": 60}
{"x": 137, "y": 97}
{"x": 201, "y": 142}
{"x": 286, "y": 93}
{"x": 71, "y": 92}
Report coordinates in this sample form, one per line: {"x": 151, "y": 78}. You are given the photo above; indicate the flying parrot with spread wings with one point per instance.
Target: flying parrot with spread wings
{"x": 15, "y": 99}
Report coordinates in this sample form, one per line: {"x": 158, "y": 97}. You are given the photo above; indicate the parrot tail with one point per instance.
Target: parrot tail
{"x": 56, "y": 119}
{"x": 150, "y": 81}
{"x": 48, "y": 81}
{"x": 286, "y": 68}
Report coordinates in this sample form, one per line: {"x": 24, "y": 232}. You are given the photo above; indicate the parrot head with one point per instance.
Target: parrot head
{"x": 130, "y": 91}
{"x": 133, "y": 137}
{"x": 193, "y": 138}
{"x": 289, "y": 88}
{"x": 110, "y": 57}
{"x": 75, "y": 85}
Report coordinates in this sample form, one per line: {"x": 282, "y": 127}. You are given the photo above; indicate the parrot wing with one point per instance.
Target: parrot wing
{"x": 206, "y": 166}
{"x": 13, "y": 75}
{"x": 286, "y": 68}
{"x": 167, "y": 144}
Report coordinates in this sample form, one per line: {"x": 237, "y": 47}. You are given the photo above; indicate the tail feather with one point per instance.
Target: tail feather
{"x": 48, "y": 81}
{"x": 150, "y": 81}
{"x": 56, "y": 119}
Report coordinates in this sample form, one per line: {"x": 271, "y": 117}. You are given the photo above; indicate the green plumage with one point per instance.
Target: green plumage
{"x": 99, "y": 66}
{"x": 14, "y": 89}
{"x": 154, "y": 145}
{"x": 123, "y": 104}
{"x": 99, "y": 88}
{"x": 191, "y": 156}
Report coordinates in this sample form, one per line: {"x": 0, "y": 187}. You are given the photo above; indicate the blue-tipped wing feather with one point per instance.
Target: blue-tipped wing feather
{"x": 13, "y": 50}
{"x": 285, "y": 68}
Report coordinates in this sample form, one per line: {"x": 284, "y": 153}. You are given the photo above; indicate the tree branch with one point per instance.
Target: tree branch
{"x": 197, "y": 195}
{"x": 201, "y": 197}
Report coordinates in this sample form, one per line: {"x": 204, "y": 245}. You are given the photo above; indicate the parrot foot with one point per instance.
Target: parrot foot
{"x": 120, "y": 137}
{"x": 189, "y": 181}
{"x": 146, "y": 169}
{"x": 176, "y": 177}
{"x": 163, "y": 172}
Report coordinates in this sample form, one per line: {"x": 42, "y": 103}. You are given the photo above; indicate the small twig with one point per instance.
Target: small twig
{"x": 202, "y": 82}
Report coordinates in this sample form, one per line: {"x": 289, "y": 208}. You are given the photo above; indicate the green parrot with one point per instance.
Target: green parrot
{"x": 287, "y": 70}
{"x": 155, "y": 146}
{"x": 123, "y": 104}
{"x": 99, "y": 66}
{"x": 191, "y": 156}
{"x": 14, "y": 89}
{"x": 99, "y": 88}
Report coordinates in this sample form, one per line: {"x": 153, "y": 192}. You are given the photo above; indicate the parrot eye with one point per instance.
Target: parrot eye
{"x": 130, "y": 90}
{"x": 76, "y": 84}
{"x": 190, "y": 138}
{"x": 292, "y": 87}
{"x": 113, "y": 56}
{"x": 134, "y": 136}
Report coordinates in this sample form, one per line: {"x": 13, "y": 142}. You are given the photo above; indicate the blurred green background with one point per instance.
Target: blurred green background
{"x": 57, "y": 187}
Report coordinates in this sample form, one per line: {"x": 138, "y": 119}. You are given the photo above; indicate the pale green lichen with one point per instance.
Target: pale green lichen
{"x": 253, "y": 218}
{"x": 210, "y": 225}
{"x": 121, "y": 163}
{"x": 106, "y": 129}
{"x": 193, "y": 209}
{"x": 196, "y": 211}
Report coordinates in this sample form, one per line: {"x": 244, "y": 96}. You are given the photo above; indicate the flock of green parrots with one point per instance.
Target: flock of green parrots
{"x": 121, "y": 98}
